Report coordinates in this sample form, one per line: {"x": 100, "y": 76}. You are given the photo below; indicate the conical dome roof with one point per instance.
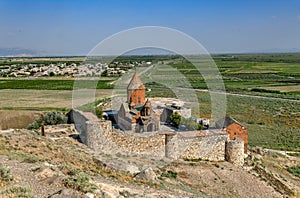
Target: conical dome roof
{"x": 148, "y": 103}
{"x": 136, "y": 83}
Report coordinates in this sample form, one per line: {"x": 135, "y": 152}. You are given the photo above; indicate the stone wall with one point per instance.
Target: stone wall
{"x": 236, "y": 130}
{"x": 210, "y": 145}
{"x": 95, "y": 136}
{"x": 125, "y": 124}
{"x": 79, "y": 120}
{"x": 235, "y": 151}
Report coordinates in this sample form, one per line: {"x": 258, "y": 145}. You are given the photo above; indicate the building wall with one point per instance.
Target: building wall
{"x": 185, "y": 112}
{"x": 165, "y": 116}
{"x": 135, "y": 94}
{"x": 124, "y": 123}
{"x": 235, "y": 130}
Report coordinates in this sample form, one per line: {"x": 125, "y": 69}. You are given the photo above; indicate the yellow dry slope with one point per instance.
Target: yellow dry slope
{"x": 19, "y": 107}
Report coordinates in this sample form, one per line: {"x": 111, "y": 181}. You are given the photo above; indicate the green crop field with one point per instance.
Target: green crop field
{"x": 54, "y": 84}
{"x": 251, "y": 74}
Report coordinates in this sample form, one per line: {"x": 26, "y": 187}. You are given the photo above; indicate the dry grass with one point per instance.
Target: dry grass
{"x": 16, "y": 119}
{"x": 22, "y": 98}
{"x": 19, "y": 107}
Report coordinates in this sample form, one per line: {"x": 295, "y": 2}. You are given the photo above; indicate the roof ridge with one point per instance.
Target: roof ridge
{"x": 135, "y": 82}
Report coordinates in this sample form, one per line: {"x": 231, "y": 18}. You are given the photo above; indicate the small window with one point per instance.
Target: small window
{"x": 234, "y": 133}
{"x": 139, "y": 100}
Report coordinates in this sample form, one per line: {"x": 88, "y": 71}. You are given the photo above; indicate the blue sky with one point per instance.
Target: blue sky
{"x": 74, "y": 27}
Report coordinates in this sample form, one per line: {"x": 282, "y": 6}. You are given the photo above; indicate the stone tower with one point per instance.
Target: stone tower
{"x": 234, "y": 151}
{"x": 136, "y": 91}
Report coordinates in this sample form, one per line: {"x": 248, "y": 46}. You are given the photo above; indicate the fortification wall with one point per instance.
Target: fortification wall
{"x": 235, "y": 151}
{"x": 210, "y": 147}
{"x": 100, "y": 136}
{"x": 79, "y": 120}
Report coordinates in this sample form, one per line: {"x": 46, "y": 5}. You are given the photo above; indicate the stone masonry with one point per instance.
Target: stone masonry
{"x": 206, "y": 145}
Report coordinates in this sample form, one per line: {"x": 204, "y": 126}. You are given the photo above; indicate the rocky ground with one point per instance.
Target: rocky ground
{"x": 58, "y": 165}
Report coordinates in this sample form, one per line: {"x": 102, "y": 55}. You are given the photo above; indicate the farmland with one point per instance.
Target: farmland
{"x": 272, "y": 122}
{"x": 252, "y": 74}
{"x": 53, "y": 84}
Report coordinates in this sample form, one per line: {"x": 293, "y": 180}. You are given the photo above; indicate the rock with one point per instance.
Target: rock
{"x": 89, "y": 195}
{"x": 47, "y": 164}
{"x": 260, "y": 150}
{"x": 147, "y": 174}
{"x": 5, "y": 132}
{"x": 45, "y": 173}
{"x": 131, "y": 169}
{"x": 70, "y": 193}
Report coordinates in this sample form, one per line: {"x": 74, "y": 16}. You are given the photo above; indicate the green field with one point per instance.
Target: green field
{"x": 251, "y": 74}
{"x": 54, "y": 84}
{"x": 272, "y": 122}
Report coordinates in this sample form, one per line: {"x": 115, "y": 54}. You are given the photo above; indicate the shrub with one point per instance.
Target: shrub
{"x": 80, "y": 182}
{"x": 170, "y": 174}
{"x": 176, "y": 118}
{"x": 99, "y": 112}
{"x": 53, "y": 118}
{"x": 295, "y": 170}
{"x": 18, "y": 191}
{"x": 5, "y": 175}
{"x": 30, "y": 159}
{"x": 50, "y": 118}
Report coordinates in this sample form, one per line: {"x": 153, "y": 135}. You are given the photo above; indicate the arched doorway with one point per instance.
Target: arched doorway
{"x": 150, "y": 127}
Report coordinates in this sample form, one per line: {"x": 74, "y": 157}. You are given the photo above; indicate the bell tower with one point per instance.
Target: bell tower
{"x": 136, "y": 91}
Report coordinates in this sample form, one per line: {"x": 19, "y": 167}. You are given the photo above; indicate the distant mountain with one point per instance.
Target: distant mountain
{"x": 18, "y": 52}
{"x": 278, "y": 50}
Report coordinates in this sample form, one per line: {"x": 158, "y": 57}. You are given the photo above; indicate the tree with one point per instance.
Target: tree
{"x": 99, "y": 112}
{"x": 175, "y": 118}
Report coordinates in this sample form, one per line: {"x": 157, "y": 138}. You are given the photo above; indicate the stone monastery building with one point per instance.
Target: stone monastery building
{"x": 137, "y": 114}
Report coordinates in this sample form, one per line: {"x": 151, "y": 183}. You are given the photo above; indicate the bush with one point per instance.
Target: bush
{"x": 170, "y": 174}
{"x": 295, "y": 170}
{"x": 5, "y": 175}
{"x": 80, "y": 182}
{"x": 177, "y": 119}
{"x": 53, "y": 118}
{"x": 50, "y": 118}
{"x": 18, "y": 191}
{"x": 99, "y": 112}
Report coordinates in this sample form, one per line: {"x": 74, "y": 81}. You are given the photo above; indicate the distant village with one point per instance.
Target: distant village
{"x": 68, "y": 69}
